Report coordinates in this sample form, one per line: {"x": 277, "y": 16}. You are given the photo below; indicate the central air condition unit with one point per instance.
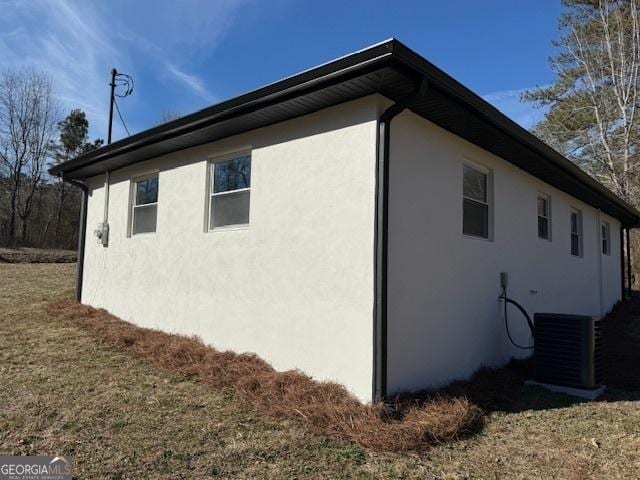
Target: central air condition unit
{"x": 568, "y": 351}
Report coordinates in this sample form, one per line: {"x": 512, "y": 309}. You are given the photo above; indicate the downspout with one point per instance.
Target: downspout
{"x": 81, "y": 234}
{"x": 629, "y": 284}
{"x": 381, "y": 240}
{"x": 622, "y": 280}
{"x": 599, "y": 236}
{"x": 105, "y": 218}
{"x": 103, "y": 233}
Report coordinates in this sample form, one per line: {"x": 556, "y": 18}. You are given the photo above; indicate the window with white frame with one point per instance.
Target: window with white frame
{"x": 606, "y": 238}
{"x": 475, "y": 201}
{"x": 576, "y": 232}
{"x": 544, "y": 217}
{"x": 144, "y": 204}
{"x": 230, "y": 192}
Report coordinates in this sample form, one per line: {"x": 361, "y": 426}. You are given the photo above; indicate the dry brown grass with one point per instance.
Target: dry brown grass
{"x": 36, "y": 255}
{"x": 407, "y": 424}
{"x": 121, "y": 417}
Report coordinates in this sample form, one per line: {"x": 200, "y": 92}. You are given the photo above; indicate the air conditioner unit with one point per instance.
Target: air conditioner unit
{"x": 568, "y": 351}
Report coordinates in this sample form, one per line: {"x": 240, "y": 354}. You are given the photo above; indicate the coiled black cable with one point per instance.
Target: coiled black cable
{"x": 506, "y": 301}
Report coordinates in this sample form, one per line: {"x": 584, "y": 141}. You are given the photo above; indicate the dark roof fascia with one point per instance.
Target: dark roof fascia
{"x": 272, "y": 93}
{"x": 482, "y": 108}
{"x": 390, "y": 52}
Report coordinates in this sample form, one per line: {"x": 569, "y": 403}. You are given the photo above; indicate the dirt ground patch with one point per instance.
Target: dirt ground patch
{"x": 36, "y": 255}
{"x": 64, "y": 391}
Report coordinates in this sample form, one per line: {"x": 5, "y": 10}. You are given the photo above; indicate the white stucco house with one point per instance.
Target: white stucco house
{"x": 351, "y": 221}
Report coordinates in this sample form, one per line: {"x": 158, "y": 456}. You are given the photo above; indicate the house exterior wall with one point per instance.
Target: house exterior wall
{"x": 444, "y": 317}
{"x": 295, "y": 287}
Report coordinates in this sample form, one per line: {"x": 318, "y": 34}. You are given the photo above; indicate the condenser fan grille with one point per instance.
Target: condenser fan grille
{"x": 568, "y": 350}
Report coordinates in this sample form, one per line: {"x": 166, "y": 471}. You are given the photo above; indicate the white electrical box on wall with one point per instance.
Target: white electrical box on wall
{"x": 102, "y": 234}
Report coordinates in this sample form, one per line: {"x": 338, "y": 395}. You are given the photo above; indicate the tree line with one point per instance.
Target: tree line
{"x": 37, "y": 210}
{"x": 591, "y": 117}
{"x": 593, "y": 103}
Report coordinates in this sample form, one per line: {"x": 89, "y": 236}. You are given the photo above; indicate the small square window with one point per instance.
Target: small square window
{"x": 475, "y": 202}
{"x": 606, "y": 238}
{"x": 544, "y": 217}
{"x": 230, "y": 193}
{"x": 144, "y": 205}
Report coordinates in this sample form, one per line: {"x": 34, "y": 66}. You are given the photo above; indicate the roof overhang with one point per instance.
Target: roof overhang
{"x": 389, "y": 69}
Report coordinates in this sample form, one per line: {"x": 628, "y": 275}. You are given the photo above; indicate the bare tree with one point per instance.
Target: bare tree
{"x": 594, "y": 100}
{"x": 28, "y": 118}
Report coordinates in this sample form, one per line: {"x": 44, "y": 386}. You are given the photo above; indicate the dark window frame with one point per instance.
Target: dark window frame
{"x": 135, "y": 206}
{"x": 576, "y": 234}
{"x": 544, "y": 233}
{"x": 212, "y": 194}
{"x": 605, "y": 232}
{"x": 473, "y": 201}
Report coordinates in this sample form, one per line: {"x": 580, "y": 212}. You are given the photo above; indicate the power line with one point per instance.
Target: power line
{"x": 120, "y": 115}
{"x": 123, "y": 80}
{"x": 118, "y": 80}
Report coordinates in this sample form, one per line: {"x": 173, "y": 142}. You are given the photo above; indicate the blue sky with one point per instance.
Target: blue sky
{"x": 185, "y": 55}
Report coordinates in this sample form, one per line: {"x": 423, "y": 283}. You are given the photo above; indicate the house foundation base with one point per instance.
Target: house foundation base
{"x": 589, "y": 394}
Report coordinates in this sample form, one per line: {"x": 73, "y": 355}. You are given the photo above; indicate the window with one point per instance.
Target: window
{"x": 144, "y": 205}
{"x": 576, "y": 233}
{"x": 230, "y": 192}
{"x": 475, "y": 202}
{"x": 544, "y": 217}
{"x": 606, "y": 238}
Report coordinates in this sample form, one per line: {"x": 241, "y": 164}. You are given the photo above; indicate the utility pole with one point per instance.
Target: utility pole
{"x": 114, "y": 72}
{"x": 118, "y": 80}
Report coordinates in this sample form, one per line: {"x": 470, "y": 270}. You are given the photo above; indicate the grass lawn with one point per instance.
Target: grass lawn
{"x": 64, "y": 392}
{"x": 36, "y": 255}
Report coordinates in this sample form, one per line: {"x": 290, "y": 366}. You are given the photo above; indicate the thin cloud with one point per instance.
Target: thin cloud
{"x": 508, "y": 102}
{"x": 68, "y": 42}
{"x": 193, "y": 82}
{"x": 78, "y": 42}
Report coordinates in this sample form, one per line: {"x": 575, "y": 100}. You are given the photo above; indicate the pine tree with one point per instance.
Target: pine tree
{"x": 593, "y": 103}
{"x": 73, "y": 141}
